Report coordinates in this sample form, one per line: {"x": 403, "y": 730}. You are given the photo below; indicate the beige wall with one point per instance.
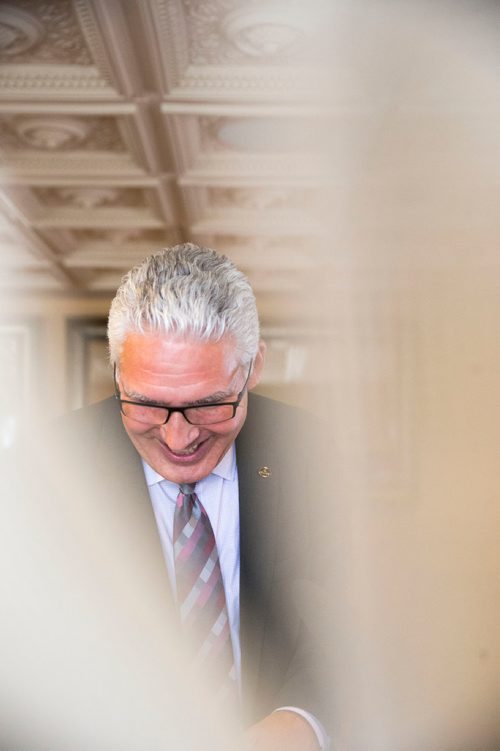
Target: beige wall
{"x": 416, "y": 514}
{"x": 49, "y": 316}
{"x": 415, "y": 402}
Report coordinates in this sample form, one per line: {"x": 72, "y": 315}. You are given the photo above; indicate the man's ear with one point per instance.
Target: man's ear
{"x": 258, "y": 365}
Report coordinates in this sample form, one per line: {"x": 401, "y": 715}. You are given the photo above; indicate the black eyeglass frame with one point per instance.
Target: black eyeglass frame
{"x": 170, "y": 410}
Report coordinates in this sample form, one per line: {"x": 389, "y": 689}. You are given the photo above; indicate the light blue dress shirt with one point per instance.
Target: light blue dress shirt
{"x": 219, "y": 495}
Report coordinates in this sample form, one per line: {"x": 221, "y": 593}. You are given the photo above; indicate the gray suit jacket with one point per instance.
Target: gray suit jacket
{"x": 279, "y": 660}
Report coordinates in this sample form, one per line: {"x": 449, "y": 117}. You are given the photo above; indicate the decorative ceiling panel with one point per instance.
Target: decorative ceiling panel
{"x": 204, "y": 158}
{"x": 52, "y": 48}
{"x": 42, "y": 31}
{"x": 59, "y": 134}
{"x": 233, "y": 50}
{"x": 126, "y": 127}
{"x": 267, "y": 211}
{"x": 230, "y": 32}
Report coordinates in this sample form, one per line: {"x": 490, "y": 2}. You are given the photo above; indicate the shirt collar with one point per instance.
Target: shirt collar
{"x": 226, "y": 468}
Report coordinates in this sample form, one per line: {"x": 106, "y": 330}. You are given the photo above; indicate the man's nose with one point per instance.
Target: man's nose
{"x": 178, "y": 433}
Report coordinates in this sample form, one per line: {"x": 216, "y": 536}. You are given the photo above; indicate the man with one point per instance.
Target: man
{"x": 184, "y": 342}
{"x": 184, "y": 499}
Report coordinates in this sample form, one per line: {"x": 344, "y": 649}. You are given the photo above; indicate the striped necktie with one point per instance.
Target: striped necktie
{"x": 200, "y": 592}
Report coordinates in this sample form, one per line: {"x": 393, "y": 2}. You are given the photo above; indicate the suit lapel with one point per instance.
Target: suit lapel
{"x": 258, "y": 500}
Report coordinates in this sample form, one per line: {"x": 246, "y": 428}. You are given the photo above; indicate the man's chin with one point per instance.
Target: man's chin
{"x": 184, "y": 470}
{"x": 182, "y": 474}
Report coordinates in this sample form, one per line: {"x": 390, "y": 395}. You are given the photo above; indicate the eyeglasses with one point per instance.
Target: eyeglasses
{"x": 202, "y": 414}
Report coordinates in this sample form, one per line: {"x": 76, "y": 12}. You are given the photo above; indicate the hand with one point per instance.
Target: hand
{"x": 281, "y": 731}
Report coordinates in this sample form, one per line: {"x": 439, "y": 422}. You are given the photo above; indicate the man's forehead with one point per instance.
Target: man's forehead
{"x": 170, "y": 340}
{"x": 167, "y": 351}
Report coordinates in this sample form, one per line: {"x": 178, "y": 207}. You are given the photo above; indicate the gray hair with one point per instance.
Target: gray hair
{"x": 185, "y": 291}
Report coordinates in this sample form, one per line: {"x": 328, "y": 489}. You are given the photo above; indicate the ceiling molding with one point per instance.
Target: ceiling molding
{"x": 127, "y": 127}
{"x": 70, "y": 83}
{"x": 101, "y": 37}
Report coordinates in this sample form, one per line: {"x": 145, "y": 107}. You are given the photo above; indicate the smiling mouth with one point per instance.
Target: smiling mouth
{"x": 186, "y": 453}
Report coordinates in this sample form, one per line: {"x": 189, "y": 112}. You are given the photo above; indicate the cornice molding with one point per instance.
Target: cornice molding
{"x": 64, "y": 82}
{"x": 165, "y": 25}
{"x": 93, "y": 37}
{"x": 107, "y": 32}
{"x": 249, "y": 84}
{"x": 248, "y": 109}
{"x": 35, "y": 165}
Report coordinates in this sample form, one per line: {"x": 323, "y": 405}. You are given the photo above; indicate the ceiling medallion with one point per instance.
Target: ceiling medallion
{"x": 52, "y": 133}
{"x": 265, "y": 31}
{"x": 19, "y": 31}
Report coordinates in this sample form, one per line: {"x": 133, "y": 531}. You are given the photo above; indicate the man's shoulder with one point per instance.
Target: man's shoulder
{"x": 272, "y": 417}
{"x": 90, "y": 417}
{"x": 94, "y": 447}
{"x": 262, "y": 406}
{"x": 91, "y": 429}
{"x": 276, "y": 431}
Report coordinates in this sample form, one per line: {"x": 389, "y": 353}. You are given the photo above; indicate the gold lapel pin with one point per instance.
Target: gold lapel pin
{"x": 265, "y": 472}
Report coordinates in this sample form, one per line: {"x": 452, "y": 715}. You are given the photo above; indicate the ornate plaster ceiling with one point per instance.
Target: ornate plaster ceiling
{"x": 128, "y": 126}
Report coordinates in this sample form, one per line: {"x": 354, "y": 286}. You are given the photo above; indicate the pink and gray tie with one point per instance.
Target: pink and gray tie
{"x": 200, "y": 592}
